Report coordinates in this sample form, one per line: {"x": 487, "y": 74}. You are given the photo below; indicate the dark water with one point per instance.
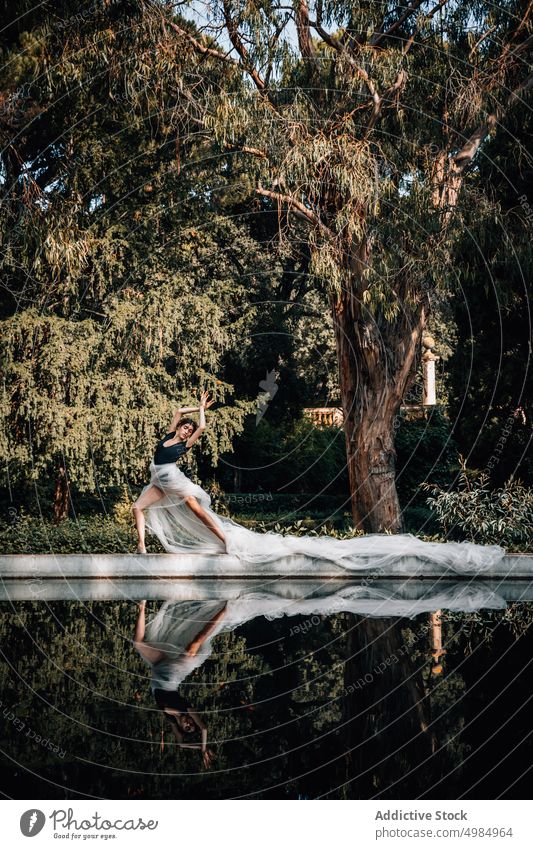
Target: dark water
{"x": 303, "y": 706}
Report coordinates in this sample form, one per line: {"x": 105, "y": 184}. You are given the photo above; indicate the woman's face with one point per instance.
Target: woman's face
{"x": 186, "y": 723}
{"x": 185, "y": 431}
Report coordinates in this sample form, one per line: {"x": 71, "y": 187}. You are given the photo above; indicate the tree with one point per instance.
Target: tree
{"x": 363, "y": 130}
{"x": 126, "y": 282}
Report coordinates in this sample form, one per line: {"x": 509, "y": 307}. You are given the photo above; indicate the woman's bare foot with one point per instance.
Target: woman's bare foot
{"x": 141, "y": 549}
{"x": 141, "y": 604}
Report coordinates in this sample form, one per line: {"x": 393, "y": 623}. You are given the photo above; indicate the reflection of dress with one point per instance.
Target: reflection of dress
{"x": 177, "y": 623}
{"x": 171, "y": 630}
{"x": 181, "y": 531}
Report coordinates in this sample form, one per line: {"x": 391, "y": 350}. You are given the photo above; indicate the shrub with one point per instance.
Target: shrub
{"x": 95, "y": 534}
{"x": 503, "y": 516}
{"x": 426, "y": 451}
{"x": 73, "y": 536}
{"x": 303, "y": 527}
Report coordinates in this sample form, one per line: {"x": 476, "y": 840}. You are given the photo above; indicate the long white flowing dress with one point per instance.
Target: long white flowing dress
{"x": 180, "y": 531}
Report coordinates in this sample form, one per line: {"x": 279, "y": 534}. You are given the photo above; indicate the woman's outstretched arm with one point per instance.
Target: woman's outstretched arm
{"x": 177, "y": 416}
{"x": 183, "y": 411}
{"x": 205, "y": 402}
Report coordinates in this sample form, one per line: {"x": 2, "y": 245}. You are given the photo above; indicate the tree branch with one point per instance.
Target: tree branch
{"x": 430, "y": 14}
{"x": 377, "y": 99}
{"x": 244, "y": 65}
{"x": 481, "y": 40}
{"x": 379, "y": 36}
{"x": 297, "y": 206}
{"x": 202, "y": 48}
{"x": 252, "y": 151}
{"x": 303, "y": 29}
{"x": 524, "y": 19}
{"x": 400, "y": 80}
{"x": 233, "y": 32}
{"x": 463, "y": 158}
{"x": 339, "y": 47}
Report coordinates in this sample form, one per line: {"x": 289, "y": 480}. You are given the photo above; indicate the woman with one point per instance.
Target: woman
{"x": 176, "y": 641}
{"x": 172, "y": 489}
{"x": 179, "y": 513}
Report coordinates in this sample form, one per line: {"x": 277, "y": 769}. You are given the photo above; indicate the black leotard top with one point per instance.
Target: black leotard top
{"x": 171, "y": 699}
{"x": 170, "y": 453}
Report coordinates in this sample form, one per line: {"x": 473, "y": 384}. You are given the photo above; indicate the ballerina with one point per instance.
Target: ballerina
{"x": 179, "y": 513}
{"x": 170, "y": 484}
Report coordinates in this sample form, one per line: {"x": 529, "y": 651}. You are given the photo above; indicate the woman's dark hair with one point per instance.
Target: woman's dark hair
{"x": 173, "y": 699}
{"x": 187, "y": 421}
{"x": 188, "y": 736}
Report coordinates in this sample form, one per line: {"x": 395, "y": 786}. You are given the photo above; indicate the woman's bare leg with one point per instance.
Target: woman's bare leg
{"x": 191, "y": 502}
{"x": 148, "y": 498}
{"x": 150, "y": 654}
{"x": 140, "y": 626}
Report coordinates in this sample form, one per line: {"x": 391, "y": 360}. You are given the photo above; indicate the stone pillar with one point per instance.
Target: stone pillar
{"x": 429, "y": 359}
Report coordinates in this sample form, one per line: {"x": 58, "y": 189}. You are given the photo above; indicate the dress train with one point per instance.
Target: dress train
{"x": 180, "y": 531}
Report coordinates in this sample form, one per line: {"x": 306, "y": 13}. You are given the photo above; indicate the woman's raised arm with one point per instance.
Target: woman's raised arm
{"x": 175, "y": 419}
{"x": 205, "y": 402}
{"x": 181, "y": 411}
{"x": 178, "y": 414}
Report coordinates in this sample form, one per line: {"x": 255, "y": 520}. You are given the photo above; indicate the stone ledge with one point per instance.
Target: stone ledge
{"x": 196, "y": 566}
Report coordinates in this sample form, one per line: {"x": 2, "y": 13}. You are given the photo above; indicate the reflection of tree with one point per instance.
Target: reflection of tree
{"x": 396, "y": 727}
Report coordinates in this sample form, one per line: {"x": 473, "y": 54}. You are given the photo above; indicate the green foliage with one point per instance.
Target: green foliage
{"x": 84, "y": 535}
{"x": 502, "y": 516}
{"x": 426, "y": 451}
{"x": 490, "y": 379}
{"x": 127, "y": 285}
{"x": 115, "y": 534}
{"x": 134, "y": 274}
{"x": 304, "y": 527}
{"x": 293, "y": 455}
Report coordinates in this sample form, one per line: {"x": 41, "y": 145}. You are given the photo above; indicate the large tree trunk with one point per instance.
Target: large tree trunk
{"x": 61, "y": 496}
{"x": 376, "y": 366}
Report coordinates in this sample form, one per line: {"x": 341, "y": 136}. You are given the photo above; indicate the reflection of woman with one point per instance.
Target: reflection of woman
{"x": 173, "y": 645}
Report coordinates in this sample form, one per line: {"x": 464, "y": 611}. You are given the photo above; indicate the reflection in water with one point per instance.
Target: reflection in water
{"x": 342, "y": 693}
{"x": 177, "y": 641}
{"x": 387, "y": 710}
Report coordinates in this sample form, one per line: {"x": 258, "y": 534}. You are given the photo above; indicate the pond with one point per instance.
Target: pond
{"x": 330, "y": 689}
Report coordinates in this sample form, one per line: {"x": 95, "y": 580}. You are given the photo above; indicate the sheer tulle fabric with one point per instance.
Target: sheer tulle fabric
{"x": 180, "y": 531}
{"x": 177, "y": 623}
{"x": 171, "y": 631}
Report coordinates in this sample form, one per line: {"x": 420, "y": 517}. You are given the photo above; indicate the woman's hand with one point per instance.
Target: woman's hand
{"x": 208, "y": 758}
{"x": 205, "y": 402}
